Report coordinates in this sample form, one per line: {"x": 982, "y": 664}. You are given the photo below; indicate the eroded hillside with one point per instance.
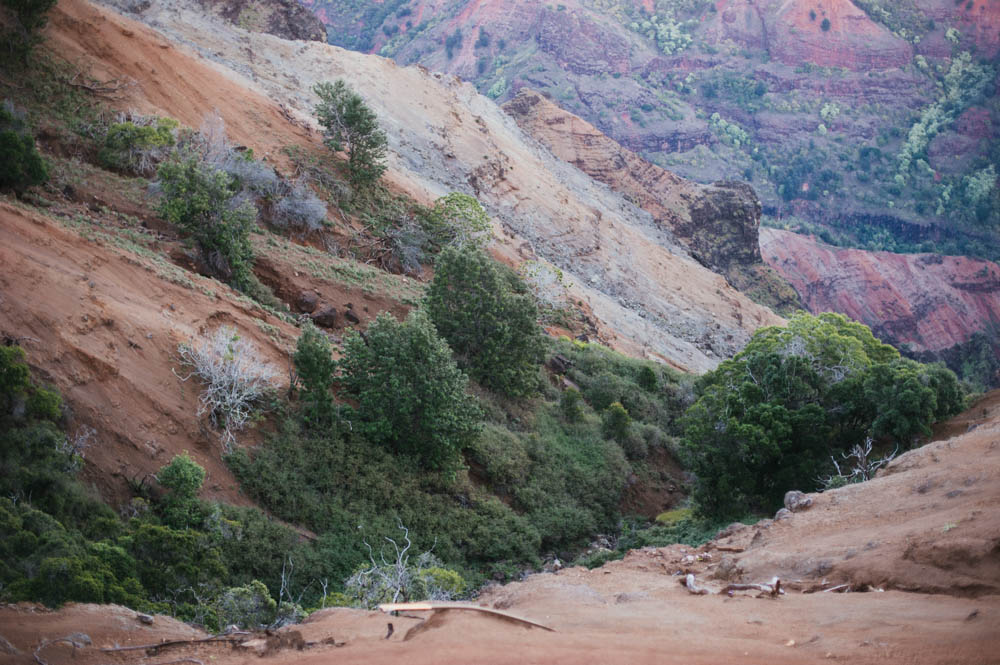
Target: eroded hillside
{"x": 645, "y": 291}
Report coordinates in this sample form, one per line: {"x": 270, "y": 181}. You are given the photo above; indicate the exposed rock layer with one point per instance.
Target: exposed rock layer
{"x": 718, "y": 223}
{"x": 929, "y": 301}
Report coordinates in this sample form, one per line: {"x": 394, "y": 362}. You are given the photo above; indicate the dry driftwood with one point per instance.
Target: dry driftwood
{"x": 772, "y": 588}
{"x": 689, "y": 583}
{"x": 435, "y": 606}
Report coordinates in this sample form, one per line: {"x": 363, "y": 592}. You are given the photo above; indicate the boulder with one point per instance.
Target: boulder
{"x": 351, "y": 316}
{"x": 307, "y": 302}
{"x": 796, "y": 501}
{"x": 325, "y": 317}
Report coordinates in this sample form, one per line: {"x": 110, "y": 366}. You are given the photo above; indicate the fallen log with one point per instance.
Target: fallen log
{"x": 436, "y": 606}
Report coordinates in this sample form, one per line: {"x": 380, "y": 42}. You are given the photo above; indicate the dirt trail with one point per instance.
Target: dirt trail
{"x": 926, "y": 538}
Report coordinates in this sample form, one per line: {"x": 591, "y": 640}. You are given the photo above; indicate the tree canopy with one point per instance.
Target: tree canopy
{"x": 768, "y": 420}
{"x": 489, "y": 318}
{"x": 350, "y": 125}
{"x": 411, "y": 395}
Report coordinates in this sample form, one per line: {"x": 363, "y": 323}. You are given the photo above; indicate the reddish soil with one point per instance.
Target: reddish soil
{"x": 918, "y": 547}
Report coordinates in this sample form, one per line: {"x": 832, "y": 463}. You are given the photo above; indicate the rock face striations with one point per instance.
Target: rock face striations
{"x": 717, "y": 223}
{"x": 928, "y": 301}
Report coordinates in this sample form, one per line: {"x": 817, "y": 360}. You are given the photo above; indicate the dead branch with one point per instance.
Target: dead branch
{"x": 773, "y": 588}
{"x": 232, "y": 638}
{"x": 689, "y": 583}
{"x": 842, "y": 588}
{"x": 193, "y": 661}
{"x": 728, "y": 548}
{"x": 109, "y": 87}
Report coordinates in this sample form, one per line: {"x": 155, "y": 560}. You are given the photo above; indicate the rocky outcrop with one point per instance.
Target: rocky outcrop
{"x": 928, "y": 301}
{"x": 717, "y": 223}
{"x": 283, "y": 18}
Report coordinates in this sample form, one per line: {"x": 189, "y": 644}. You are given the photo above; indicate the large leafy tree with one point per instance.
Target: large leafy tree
{"x": 411, "y": 395}
{"x": 350, "y": 125}
{"x": 489, "y": 318}
{"x": 768, "y": 420}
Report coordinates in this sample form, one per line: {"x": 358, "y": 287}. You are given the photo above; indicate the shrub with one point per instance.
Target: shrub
{"x": 489, "y": 318}
{"x": 21, "y": 166}
{"x": 769, "y": 419}
{"x": 348, "y": 124}
{"x": 459, "y": 220}
{"x": 570, "y": 404}
{"x": 315, "y": 366}
{"x": 249, "y": 606}
{"x": 411, "y": 395}
{"x": 616, "y": 422}
{"x": 183, "y": 478}
{"x": 235, "y": 379}
{"x": 825, "y": 25}
{"x": 136, "y": 144}
{"x": 202, "y": 203}
{"x": 27, "y": 18}
{"x": 299, "y": 209}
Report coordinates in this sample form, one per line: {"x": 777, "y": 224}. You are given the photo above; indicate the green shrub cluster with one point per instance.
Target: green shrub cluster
{"x": 135, "y": 145}
{"x": 489, "y": 318}
{"x": 20, "y": 164}
{"x": 768, "y": 420}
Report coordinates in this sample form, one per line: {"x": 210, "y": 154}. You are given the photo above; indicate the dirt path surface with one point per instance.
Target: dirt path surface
{"x": 930, "y": 524}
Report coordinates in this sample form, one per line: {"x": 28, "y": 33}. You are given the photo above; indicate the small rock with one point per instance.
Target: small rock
{"x": 326, "y": 317}
{"x": 560, "y": 364}
{"x": 307, "y": 302}
{"x": 352, "y": 317}
{"x": 730, "y": 530}
{"x": 145, "y": 618}
{"x": 796, "y": 501}
{"x": 782, "y": 514}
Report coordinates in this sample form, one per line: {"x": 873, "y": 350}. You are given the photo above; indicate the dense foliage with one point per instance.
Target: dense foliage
{"x": 25, "y": 18}
{"x": 489, "y": 318}
{"x": 349, "y": 124}
{"x": 200, "y": 202}
{"x": 411, "y": 395}
{"x": 20, "y": 164}
{"x": 768, "y": 420}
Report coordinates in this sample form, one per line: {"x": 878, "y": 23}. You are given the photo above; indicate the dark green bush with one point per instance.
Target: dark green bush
{"x": 315, "y": 367}
{"x": 25, "y": 19}
{"x": 21, "y": 166}
{"x": 411, "y": 396}
{"x": 489, "y": 318}
{"x": 136, "y": 146}
{"x": 199, "y": 201}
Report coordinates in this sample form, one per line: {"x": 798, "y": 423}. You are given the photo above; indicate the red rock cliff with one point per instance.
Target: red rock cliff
{"x": 929, "y": 301}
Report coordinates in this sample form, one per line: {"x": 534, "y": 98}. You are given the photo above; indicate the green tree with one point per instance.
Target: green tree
{"x": 200, "y": 201}
{"x": 26, "y": 19}
{"x": 768, "y": 420}
{"x": 315, "y": 366}
{"x": 489, "y": 318}
{"x": 183, "y": 478}
{"x": 21, "y": 166}
{"x": 616, "y": 422}
{"x": 411, "y": 395}
{"x": 349, "y": 124}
